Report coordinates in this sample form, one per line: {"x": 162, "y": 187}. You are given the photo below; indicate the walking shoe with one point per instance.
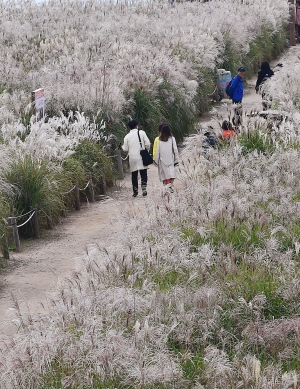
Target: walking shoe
{"x": 134, "y": 194}
{"x": 169, "y": 188}
{"x": 144, "y": 189}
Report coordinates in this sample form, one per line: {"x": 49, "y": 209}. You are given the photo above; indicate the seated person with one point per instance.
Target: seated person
{"x": 227, "y": 130}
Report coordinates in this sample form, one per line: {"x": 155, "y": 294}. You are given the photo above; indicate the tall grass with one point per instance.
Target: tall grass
{"x": 158, "y": 69}
{"x": 202, "y": 289}
{"x": 95, "y": 161}
{"x": 39, "y": 185}
{"x": 48, "y": 158}
{"x": 74, "y": 57}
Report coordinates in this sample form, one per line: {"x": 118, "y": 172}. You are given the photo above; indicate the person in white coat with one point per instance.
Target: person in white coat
{"x": 133, "y": 147}
{"x": 166, "y": 157}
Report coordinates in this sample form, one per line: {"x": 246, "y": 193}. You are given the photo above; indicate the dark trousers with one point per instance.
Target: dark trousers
{"x": 134, "y": 180}
{"x": 238, "y": 111}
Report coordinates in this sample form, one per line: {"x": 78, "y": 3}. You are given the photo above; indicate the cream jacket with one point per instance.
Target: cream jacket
{"x": 132, "y": 145}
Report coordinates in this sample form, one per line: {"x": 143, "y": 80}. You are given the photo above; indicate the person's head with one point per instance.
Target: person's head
{"x": 165, "y": 133}
{"x": 132, "y": 124}
{"x": 241, "y": 71}
{"x": 265, "y": 66}
{"x": 226, "y": 125}
{"x": 161, "y": 125}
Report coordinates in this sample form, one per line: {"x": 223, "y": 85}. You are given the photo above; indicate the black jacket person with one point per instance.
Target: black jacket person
{"x": 264, "y": 73}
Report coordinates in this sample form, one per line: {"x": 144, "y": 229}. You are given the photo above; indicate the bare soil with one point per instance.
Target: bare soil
{"x": 32, "y": 275}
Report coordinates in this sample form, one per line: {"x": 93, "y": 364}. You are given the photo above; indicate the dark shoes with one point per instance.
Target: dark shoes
{"x": 144, "y": 189}
{"x": 144, "y": 193}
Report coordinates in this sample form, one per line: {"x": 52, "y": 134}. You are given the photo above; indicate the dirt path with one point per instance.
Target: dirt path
{"x": 33, "y": 274}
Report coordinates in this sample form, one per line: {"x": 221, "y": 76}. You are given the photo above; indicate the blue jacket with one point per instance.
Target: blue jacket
{"x": 237, "y": 88}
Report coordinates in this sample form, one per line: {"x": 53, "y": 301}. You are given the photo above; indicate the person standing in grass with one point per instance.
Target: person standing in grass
{"x": 166, "y": 157}
{"x": 236, "y": 93}
{"x": 264, "y": 73}
{"x": 133, "y": 147}
{"x": 236, "y": 90}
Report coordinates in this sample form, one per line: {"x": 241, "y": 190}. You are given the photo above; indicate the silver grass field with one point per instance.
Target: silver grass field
{"x": 203, "y": 289}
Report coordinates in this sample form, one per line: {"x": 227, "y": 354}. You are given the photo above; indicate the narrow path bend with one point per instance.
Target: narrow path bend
{"x": 33, "y": 274}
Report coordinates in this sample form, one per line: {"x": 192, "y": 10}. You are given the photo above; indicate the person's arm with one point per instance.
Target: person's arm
{"x": 157, "y": 153}
{"x": 257, "y": 84}
{"x": 175, "y": 151}
{"x": 233, "y": 85}
{"x": 260, "y": 79}
{"x": 146, "y": 141}
{"x": 125, "y": 145}
{"x": 155, "y": 147}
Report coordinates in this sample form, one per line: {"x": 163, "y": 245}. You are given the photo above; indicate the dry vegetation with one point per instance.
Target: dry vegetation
{"x": 203, "y": 291}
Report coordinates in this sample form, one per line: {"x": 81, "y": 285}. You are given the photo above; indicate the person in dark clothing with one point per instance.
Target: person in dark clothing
{"x": 298, "y": 20}
{"x": 264, "y": 73}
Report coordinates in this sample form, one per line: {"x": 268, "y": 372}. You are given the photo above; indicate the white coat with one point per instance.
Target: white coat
{"x": 166, "y": 156}
{"x": 132, "y": 145}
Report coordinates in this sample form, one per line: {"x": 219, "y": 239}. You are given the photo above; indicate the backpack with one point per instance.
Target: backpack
{"x": 227, "y": 89}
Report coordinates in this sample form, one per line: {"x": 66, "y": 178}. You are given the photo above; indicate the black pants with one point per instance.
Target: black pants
{"x": 237, "y": 117}
{"x": 134, "y": 180}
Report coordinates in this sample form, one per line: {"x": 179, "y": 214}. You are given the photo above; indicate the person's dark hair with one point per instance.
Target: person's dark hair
{"x": 132, "y": 124}
{"x": 165, "y": 133}
{"x": 160, "y": 126}
{"x": 226, "y": 125}
{"x": 265, "y": 66}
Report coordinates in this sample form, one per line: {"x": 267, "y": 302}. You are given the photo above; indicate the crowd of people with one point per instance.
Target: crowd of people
{"x": 165, "y": 151}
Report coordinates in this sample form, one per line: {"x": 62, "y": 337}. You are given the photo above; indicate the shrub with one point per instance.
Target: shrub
{"x": 39, "y": 184}
{"x": 94, "y": 160}
{"x": 73, "y": 173}
{"x": 256, "y": 141}
{"x": 176, "y": 111}
{"x": 147, "y": 111}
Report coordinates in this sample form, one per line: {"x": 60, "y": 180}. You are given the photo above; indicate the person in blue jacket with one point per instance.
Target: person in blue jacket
{"x": 237, "y": 87}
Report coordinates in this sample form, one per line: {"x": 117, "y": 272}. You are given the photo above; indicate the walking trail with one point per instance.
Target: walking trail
{"x": 32, "y": 275}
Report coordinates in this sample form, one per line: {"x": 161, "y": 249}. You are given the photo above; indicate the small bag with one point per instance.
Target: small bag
{"x": 146, "y": 157}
